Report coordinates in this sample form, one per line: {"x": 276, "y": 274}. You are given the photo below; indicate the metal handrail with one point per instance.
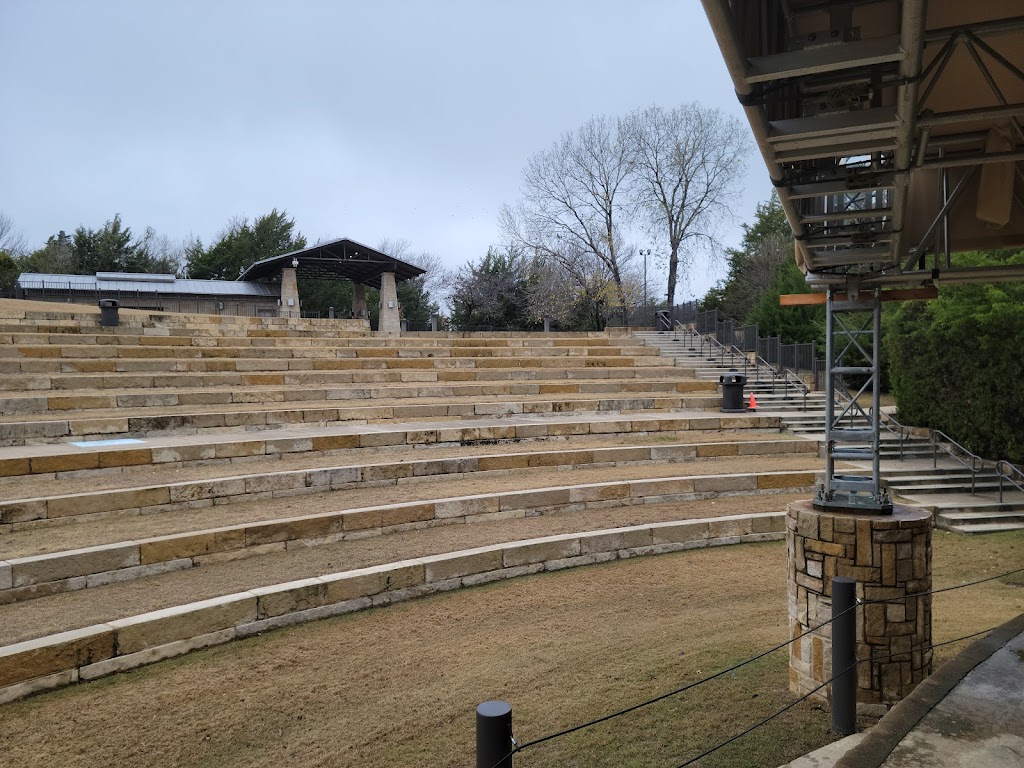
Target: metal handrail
{"x": 977, "y": 464}
{"x": 901, "y": 432}
{"x": 1005, "y": 470}
{"x": 791, "y": 377}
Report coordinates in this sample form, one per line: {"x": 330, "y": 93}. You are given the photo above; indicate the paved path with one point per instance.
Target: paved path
{"x": 968, "y": 714}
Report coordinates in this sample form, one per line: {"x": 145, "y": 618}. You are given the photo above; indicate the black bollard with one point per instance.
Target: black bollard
{"x": 844, "y": 656}
{"x": 494, "y": 735}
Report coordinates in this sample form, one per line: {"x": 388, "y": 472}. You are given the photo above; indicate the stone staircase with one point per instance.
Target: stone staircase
{"x": 907, "y": 465}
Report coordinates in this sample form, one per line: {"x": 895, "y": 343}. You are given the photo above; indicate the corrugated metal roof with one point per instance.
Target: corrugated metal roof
{"x": 178, "y": 286}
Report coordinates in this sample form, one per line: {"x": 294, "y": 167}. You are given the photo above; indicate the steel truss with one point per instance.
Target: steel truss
{"x": 853, "y": 329}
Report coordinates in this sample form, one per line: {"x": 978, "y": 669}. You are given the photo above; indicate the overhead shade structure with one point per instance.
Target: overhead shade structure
{"x": 892, "y": 129}
{"x": 337, "y": 259}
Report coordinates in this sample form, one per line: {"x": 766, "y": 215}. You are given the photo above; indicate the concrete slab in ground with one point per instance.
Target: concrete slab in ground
{"x": 826, "y": 756}
{"x": 979, "y": 724}
{"x": 969, "y": 713}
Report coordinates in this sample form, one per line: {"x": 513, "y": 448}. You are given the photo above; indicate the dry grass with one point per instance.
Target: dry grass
{"x": 397, "y": 686}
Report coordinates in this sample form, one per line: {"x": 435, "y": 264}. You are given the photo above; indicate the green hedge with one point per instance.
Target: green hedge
{"x": 957, "y": 363}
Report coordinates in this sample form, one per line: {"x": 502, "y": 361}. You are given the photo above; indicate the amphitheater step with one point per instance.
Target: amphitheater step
{"x": 104, "y": 641}
{"x": 37, "y": 576}
{"x": 173, "y": 451}
{"x": 74, "y": 505}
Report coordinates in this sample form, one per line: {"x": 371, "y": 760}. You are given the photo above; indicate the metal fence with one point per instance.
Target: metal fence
{"x": 799, "y": 358}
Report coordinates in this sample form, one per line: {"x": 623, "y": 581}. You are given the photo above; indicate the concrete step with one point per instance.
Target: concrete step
{"x": 56, "y": 459}
{"x": 92, "y": 399}
{"x": 102, "y": 379}
{"x": 143, "y": 422}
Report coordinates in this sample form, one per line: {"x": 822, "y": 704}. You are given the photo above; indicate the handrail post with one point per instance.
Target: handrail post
{"x": 494, "y": 741}
{"x": 844, "y": 659}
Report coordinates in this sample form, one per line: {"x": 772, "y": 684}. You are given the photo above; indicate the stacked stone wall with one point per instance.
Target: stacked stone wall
{"x": 889, "y": 556}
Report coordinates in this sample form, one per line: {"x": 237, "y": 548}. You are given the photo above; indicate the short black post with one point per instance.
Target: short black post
{"x": 330, "y": 313}
{"x": 494, "y": 735}
{"x": 844, "y": 656}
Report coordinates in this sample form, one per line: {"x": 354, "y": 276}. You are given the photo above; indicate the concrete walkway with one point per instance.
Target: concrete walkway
{"x": 968, "y": 714}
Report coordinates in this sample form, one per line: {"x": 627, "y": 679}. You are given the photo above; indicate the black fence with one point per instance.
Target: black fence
{"x": 799, "y": 358}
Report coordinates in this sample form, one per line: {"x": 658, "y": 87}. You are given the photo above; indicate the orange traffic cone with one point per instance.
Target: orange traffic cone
{"x": 753, "y": 403}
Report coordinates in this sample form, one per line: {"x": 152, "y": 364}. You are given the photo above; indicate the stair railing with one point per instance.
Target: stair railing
{"x": 949, "y": 446}
{"x": 733, "y": 351}
{"x": 1011, "y": 474}
{"x": 895, "y": 428}
{"x": 798, "y": 384}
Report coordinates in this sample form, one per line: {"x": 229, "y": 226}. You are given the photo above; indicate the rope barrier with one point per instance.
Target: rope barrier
{"x": 689, "y": 686}
{"x": 942, "y": 589}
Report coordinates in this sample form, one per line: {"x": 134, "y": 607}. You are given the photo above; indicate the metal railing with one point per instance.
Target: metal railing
{"x": 971, "y": 461}
{"x": 750, "y": 362}
{"x": 902, "y": 432}
{"x": 1007, "y": 471}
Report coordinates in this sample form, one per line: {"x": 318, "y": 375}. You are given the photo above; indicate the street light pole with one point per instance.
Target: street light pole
{"x": 645, "y": 252}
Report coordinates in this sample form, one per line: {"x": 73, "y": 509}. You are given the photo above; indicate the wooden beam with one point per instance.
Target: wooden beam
{"x": 896, "y": 294}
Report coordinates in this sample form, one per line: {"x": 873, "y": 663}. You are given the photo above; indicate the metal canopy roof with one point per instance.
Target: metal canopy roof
{"x": 892, "y": 129}
{"x": 167, "y": 285}
{"x": 341, "y": 258}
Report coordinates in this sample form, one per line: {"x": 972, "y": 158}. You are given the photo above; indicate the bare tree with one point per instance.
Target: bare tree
{"x": 687, "y": 163}
{"x": 574, "y": 196}
{"x": 10, "y": 241}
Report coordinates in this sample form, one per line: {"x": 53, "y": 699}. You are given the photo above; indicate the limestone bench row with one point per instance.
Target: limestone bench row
{"x": 103, "y": 649}
{"x": 175, "y": 496}
{"x": 250, "y": 418}
{"x": 95, "y": 376}
{"x": 124, "y": 365}
{"x": 28, "y": 578}
{"x": 67, "y": 351}
{"x": 86, "y": 400}
{"x": 56, "y": 459}
{"x": 436, "y": 342}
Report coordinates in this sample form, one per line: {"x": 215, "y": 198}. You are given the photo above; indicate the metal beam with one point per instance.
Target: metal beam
{"x": 823, "y": 59}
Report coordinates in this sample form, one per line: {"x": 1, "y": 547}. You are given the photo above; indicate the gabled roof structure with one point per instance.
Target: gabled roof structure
{"x": 892, "y": 129}
{"x": 342, "y": 258}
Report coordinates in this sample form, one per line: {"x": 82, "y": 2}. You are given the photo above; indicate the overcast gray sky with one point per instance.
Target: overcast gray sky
{"x": 368, "y": 119}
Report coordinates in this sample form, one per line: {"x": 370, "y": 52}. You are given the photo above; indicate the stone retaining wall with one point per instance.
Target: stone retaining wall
{"x": 76, "y": 460}
{"x": 103, "y": 649}
{"x": 890, "y": 557}
{"x": 27, "y": 578}
{"x": 169, "y": 497}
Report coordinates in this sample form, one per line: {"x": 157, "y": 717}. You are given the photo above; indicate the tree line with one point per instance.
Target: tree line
{"x": 115, "y": 248}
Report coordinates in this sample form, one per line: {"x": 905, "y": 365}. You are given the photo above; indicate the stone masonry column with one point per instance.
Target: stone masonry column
{"x": 390, "y": 315}
{"x": 289, "y": 294}
{"x": 890, "y": 557}
{"x": 359, "y": 301}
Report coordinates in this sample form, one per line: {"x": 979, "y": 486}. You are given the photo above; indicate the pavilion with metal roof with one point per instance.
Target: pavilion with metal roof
{"x": 892, "y": 131}
{"x": 338, "y": 259}
{"x": 341, "y": 259}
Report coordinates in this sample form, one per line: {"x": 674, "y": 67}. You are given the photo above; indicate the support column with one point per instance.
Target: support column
{"x": 890, "y": 559}
{"x": 359, "y": 302}
{"x": 390, "y": 322}
{"x": 289, "y": 294}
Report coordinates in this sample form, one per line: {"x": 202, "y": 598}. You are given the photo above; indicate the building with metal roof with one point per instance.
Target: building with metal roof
{"x": 165, "y": 293}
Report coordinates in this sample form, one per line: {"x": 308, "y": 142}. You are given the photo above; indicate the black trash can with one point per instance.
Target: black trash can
{"x": 108, "y": 313}
{"x": 662, "y": 320}
{"x": 732, "y": 392}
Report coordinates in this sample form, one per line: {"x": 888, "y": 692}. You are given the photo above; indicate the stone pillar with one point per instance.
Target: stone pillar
{"x": 390, "y": 313}
{"x": 889, "y": 556}
{"x": 289, "y": 294}
{"x": 359, "y": 301}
